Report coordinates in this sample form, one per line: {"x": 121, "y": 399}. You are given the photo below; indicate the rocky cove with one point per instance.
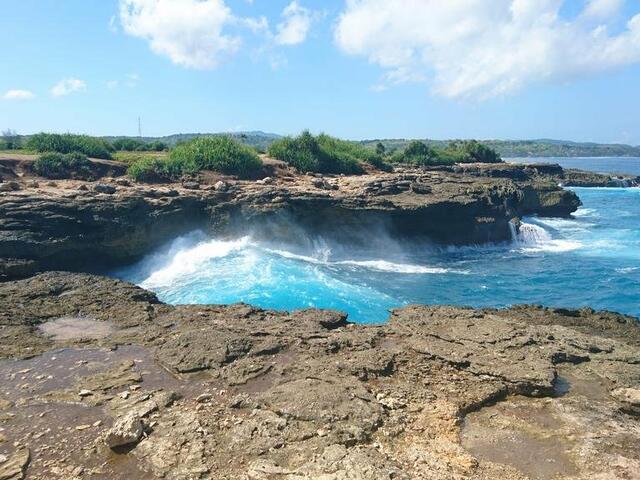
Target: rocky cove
{"x": 135, "y": 388}
{"x": 79, "y": 225}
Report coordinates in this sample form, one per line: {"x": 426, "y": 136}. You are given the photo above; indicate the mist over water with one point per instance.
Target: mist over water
{"x": 592, "y": 259}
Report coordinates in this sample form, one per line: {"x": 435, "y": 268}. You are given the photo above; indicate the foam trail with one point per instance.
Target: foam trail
{"x": 377, "y": 265}
{"x": 385, "y": 266}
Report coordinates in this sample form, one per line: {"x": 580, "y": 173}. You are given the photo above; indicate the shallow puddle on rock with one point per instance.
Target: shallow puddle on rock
{"x": 518, "y": 432}
{"x": 69, "y": 328}
{"x": 56, "y": 430}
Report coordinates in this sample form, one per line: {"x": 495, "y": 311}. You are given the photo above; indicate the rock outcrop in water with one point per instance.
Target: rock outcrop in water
{"x": 83, "y": 226}
{"x": 236, "y": 392}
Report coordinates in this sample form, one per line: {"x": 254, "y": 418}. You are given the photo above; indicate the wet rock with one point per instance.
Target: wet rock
{"x": 15, "y": 467}
{"x": 127, "y": 430}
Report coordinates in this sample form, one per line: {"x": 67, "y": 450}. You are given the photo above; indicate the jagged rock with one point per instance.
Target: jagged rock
{"x": 104, "y": 188}
{"x": 191, "y": 185}
{"x": 220, "y": 186}
{"x": 10, "y": 186}
{"x": 126, "y": 431}
{"x": 307, "y": 395}
{"x": 15, "y": 467}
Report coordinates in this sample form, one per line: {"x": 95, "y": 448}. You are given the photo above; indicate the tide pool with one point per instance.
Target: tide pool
{"x": 590, "y": 260}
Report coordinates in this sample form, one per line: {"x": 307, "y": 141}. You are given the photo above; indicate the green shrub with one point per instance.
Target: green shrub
{"x": 220, "y": 154}
{"x": 421, "y": 154}
{"x": 472, "y": 151}
{"x": 62, "y": 165}
{"x": 154, "y": 170}
{"x": 67, "y": 143}
{"x": 137, "y": 145}
{"x": 324, "y": 154}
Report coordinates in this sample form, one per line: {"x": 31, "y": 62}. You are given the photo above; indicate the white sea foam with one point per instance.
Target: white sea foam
{"x": 189, "y": 260}
{"x": 532, "y": 238}
{"x": 626, "y": 270}
{"x": 385, "y": 266}
{"x": 321, "y": 258}
{"x": 585, "y": 212}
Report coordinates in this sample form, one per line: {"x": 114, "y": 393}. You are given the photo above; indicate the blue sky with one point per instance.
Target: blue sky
{"x": 509, "y": 69}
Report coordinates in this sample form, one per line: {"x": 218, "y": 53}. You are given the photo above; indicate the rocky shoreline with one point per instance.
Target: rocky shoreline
{"x": 83, "y": 226}
{"x": 133, "y": 388}
{"x": 102, "y": 380}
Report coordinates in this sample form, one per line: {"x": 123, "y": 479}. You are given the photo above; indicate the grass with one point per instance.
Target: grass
{"x": 68, "y": 143}
{"x": 62, "y": 165}
{"x": 220, "y": 154}
{"x": 17, "y": 151}
{"x": 324, "y": 154}
{"x": 133, "y": 157}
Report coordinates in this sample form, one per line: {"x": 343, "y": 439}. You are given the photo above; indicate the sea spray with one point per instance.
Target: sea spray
{"x": 592, "y": 259}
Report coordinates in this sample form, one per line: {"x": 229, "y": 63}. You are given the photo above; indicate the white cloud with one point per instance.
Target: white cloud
{"x": 603, "y": 8}
{"x": 68, "y": 86}
{"x": 18, "y": 95}
{"x": 485, "y": 48}
{"x": 295, "y": 25}
{"x": 188, "y": 32}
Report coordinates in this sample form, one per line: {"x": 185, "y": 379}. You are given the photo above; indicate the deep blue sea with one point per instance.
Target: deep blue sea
{"x": 592, "y": 259}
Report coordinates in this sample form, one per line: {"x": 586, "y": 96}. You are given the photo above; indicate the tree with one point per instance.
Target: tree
{"x": 380, "y": 148}
{"x": 10, "y": 140}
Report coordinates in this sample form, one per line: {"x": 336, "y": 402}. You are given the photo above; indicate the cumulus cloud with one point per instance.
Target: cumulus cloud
{"x": 189, "y": 32}
{"x": 485, "y": 48}
{"x": 68, "y": 86}
{"x": 603, "y": 8}
{"x": 18, "y": 95}
{"x": 295, "y": 26}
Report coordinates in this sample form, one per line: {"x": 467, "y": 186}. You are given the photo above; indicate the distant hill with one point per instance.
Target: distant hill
{"x": 531, "y": 148}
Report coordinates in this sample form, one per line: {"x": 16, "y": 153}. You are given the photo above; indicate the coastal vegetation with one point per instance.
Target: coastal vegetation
{"x": 324, "y": 154}
{"x": 61, "y": 165}
{"x": 220, "y": 154}
{"x": 67, "y": 143}
{"x": 422, "y": 154}
{"x": 136, "y": 145}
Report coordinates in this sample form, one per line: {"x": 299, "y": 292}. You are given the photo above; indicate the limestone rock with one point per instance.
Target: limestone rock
{"x": 15, "y": 467}
{"x": 126, "y": 431}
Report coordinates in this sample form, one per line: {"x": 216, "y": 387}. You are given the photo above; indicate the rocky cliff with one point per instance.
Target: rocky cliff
{"x": 77, "y": 225}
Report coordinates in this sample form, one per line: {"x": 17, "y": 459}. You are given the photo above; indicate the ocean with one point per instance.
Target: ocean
{"x": 589, "y": 260}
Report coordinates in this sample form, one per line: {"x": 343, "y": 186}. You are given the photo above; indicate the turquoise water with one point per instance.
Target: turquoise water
{"x": 592, "y": 259}
{"x": 628, "y": 165}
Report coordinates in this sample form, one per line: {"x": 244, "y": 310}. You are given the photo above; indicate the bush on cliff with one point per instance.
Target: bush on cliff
{"x": 137, "y": 145}
{"x": 68, "y": 143}
{"x": 324, "y": 154}
{"x": 472, "y": 151}
{"x": 421, "y": 154}
{"x": 220, "y": 154}
{"x": 62, "y": 165}
{"x": 467, "y": 151}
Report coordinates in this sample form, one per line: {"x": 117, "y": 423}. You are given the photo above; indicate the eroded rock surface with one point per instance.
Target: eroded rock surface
{"x": 236, "y": 392}
{"x": 80, "y": 226}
